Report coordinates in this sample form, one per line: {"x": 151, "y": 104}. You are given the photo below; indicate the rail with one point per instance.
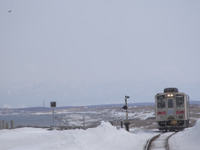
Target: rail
{"x": 159, "y": 141}
{"x": 147, "y": 146}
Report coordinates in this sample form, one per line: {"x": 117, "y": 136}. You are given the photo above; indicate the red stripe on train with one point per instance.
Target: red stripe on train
{"x": 180, "y": 112}
{"x": 161, "y": 113}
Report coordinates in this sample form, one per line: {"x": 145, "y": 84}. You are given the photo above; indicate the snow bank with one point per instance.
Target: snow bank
{"x": 104, "y": 137}
{"x": 189, "y": 139}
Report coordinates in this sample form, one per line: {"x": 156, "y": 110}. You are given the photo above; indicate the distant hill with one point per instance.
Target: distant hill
{"x": 41, "y": 109}
{"x": 195, "y": 102}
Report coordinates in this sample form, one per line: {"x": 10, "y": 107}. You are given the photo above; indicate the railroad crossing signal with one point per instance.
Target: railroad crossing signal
{"x": 125, "y": 107}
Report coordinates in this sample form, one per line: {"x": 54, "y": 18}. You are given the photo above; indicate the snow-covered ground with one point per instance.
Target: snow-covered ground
{"x": 189, "y": 139}
{"x": 103, "y": 137}
{"x": 100, "y": 137}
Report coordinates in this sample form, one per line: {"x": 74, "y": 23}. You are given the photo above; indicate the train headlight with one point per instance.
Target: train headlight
{"x": 170, "y": 95}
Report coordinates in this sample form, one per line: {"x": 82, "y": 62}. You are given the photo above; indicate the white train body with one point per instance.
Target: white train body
{"x": 172, "y": 110}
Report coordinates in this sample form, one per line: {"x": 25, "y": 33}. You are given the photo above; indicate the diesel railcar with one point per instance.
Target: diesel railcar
{"x": 172, "y": 110}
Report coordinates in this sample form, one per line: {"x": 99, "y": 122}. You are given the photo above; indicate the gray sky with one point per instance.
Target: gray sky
{"x": 80, "y": 52}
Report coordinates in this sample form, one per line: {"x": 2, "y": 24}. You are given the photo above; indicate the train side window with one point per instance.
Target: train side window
{"x": 161, "y": 103}
{"x": 170, "y": 103}
{"x": 179, "y": 100}
{"x": 179, "y": 103}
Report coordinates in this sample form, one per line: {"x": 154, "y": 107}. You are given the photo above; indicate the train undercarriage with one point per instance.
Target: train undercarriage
{"x": 173, "y": 125}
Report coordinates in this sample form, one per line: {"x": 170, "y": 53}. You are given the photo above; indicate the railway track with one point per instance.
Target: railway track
{"x": 159, "y": 142}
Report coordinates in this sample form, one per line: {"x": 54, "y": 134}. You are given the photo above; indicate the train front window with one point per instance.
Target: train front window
{"x": 170, "y": 103}
{"x": 179, "y": 100}
{"x": 161, "y": 103}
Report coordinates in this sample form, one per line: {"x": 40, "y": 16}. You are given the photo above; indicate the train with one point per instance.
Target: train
{"x": 172, "y": 110}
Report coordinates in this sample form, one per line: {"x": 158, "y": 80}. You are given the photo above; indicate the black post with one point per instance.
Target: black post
{"x": 121, "y": 124}
{"x": 53, "y": 105}
{"x": 126, "y": 123}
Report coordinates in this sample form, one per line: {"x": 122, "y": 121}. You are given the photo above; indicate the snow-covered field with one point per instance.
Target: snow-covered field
{"x": 73, "y": 117}
{"x": 103, "y": 137}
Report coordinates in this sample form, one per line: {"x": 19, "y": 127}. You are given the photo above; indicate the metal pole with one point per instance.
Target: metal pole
{"x": 126, "y": 109}
{"x": 53, "y": 104}
{"x": 53, "y": 118}
{"x": 126, "y": 122}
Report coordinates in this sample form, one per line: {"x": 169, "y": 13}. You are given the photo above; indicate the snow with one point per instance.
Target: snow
{"x": 103, "y": 137}
{"x": 143, "y": 115}
{"x": 186, "y": 140}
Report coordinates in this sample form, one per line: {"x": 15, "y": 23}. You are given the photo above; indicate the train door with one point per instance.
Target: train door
{"x": 181, "y": 111}
{"x": 181, "y": 102}
{"x": 171, "y": 111}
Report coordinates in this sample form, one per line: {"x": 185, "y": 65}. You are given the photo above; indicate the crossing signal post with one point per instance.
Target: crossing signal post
{"x": 53, "y": 105}
{"x": 125, "y": 107}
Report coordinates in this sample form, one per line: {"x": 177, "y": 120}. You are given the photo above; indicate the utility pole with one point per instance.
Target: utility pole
{"x": 126, "y": 123}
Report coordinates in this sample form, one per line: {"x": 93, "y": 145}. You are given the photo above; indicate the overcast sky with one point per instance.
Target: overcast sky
{"x": 82, "y": 52}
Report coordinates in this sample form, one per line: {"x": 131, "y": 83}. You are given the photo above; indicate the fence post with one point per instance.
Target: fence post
{"x": 84, "y": 122}
{"x": 121, "y": 124}
{"x": 3, "y": 124}
{"x": 11, "y": 124}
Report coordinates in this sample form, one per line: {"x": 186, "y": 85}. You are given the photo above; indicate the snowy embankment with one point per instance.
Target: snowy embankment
{"x": 104, "y": 137}
{"x": 189, "y": 139}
